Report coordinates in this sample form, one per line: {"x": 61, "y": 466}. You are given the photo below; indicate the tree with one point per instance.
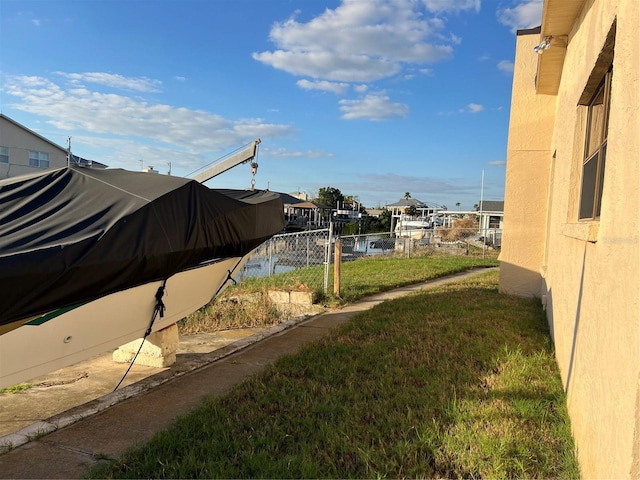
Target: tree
{"x": 379, "y": 224}
{"x": 458, "y": 205}
{"x": 411, "y": 210}
{"x": 407, "y": 195}
{"x": 351, "y": 202}
{"x": 330, "y": 197}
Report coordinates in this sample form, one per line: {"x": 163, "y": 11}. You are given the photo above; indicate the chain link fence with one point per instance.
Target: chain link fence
{"x": 439, "y": 240}
{"x": 303, "y": 259}
{"x": 298, "y": 259}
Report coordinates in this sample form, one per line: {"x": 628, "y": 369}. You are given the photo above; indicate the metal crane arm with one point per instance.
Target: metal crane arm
{"x": 228, "y": 163}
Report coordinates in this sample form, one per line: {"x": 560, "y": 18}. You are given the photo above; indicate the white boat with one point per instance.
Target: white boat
{"x": 69, "y": 335}
{"x": 416, "y": 228}
{"x": 89, "y": 257}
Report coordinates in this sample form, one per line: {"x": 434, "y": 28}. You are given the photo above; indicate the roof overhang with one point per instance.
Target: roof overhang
{"x": 558, "y": 18}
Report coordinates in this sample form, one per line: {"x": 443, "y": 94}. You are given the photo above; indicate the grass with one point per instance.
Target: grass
{"x": 370, "y": 275}
{"x": 459, "y": 381}
{"x": 234, "y": 308}
{"x": 247, "y": 305}
{"x": 16, "y": 388}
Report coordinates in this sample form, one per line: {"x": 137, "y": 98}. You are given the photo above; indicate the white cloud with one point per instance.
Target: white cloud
{"x": 140, "y": 84}
{"x": 497, "y": 163}
{"x": 475, "y": 107}
{"x": 455, "y": 39}
{"x": 284, "y": 153}
{"x": 505, "y": 66}
{"x": 126, "y": 124}
{"x": 440, "y": 6}
{"x": 359, "y": 41}
{"x": 323, "y": 85}
{"x": 361, "y": 88}
{"x": 373, "y": 107}
{"x": 36, "y": 22}
{"x": 329, "y": 65}
{"x": 525, "y": 14}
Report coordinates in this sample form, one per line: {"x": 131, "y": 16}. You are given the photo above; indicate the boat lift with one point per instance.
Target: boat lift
{"x": 243, "y": 156}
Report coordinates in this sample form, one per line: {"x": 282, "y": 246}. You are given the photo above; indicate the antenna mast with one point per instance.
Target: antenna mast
{"x": 68, "y": 151}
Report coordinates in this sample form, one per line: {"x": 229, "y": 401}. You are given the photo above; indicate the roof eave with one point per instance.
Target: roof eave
{"x": 558, "y": 18}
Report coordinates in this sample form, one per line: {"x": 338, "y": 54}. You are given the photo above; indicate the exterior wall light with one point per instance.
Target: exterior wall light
{"x": 544, "y": 45}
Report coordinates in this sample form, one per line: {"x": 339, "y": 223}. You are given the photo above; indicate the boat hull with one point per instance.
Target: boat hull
{"x": 106, "y": 323}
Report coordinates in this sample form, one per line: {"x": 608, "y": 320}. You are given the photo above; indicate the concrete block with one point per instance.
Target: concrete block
{"x": 302, "y": 298}
{"x": 159, "y": 349}
{"x": 278, "y": 296}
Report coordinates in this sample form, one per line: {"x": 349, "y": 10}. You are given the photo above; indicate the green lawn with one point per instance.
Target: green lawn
{"x": 360, "y": 278}
{"x": 370, "y": 275}
{"x": 458, "y": 381}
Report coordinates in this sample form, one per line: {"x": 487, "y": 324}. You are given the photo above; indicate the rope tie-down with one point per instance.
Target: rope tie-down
{"x": 159, "y": 309}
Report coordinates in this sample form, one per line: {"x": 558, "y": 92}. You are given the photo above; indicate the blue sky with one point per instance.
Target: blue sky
{"x": 374, "y": 97}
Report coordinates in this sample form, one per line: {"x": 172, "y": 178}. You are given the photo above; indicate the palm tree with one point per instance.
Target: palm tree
{"x": 407, "y": 195}
{"x": 411, "y": 211}
{"x": 458, "y": 205}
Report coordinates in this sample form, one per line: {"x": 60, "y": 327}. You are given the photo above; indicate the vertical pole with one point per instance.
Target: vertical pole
{"x": 337, "y": 264}
{"x": 270, "y": 255}
{"x": 327, "y": 258}
{"x": 482, "y": 229}
{"x": 68, "y": 151}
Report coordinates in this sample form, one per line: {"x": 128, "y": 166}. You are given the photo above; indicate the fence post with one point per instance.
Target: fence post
{"x": 270, "y": 247}
{"x": 337, "y": 263}
{"x": 327, "y": 258}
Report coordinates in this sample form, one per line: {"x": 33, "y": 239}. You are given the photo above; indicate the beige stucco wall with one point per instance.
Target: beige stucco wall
{"x": 527, "y": 176}
{"x": 20, "y": 141}
{"x": 591, "y": 279}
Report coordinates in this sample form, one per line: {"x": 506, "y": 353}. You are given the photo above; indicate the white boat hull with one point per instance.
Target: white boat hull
{"x": 107, "y": 323}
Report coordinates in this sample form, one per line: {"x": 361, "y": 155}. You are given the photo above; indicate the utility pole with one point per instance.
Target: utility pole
{"x": 68, "y": 151}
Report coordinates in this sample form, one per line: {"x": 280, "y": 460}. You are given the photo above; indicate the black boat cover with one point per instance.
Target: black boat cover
{"x": 75, "y": 234}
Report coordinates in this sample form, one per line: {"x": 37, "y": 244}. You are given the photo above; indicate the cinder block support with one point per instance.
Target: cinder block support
{"x": 159, "y": 349}
{"x": 279, "y": 297}
{"x": 301, "y": 298}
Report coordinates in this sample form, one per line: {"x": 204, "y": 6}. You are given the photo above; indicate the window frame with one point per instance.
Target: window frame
{"x": 591, "y": 186}
{"x": 38, "y": 159}
{"x": 4, "y": 153}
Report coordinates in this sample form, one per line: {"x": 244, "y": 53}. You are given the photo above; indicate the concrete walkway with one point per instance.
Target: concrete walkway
{"x": 98, "y": 424}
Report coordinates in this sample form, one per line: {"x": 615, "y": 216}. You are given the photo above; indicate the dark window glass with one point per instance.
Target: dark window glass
{"x": 589, "y": 172}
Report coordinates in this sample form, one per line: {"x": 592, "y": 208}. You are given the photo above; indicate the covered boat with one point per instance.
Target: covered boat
{"x": 83, "y": 253}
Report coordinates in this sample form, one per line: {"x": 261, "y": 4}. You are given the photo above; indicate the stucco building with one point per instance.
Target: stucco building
{"x": 571, "y": 223}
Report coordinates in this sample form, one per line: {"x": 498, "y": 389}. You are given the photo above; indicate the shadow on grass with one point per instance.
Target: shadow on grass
{"x": 459, "y": 381}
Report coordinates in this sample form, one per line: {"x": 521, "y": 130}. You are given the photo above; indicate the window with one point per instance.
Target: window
{"x": 596, "y": 101}
{"x": 4, "y": 154}
{"x": 38, "y": 159}
{"x": 595, "y": 150}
